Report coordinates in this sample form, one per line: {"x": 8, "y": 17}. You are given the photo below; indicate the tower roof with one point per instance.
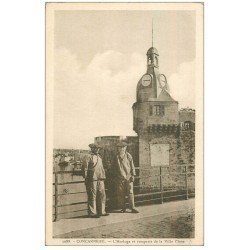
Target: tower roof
{"x": 152, "y": 50}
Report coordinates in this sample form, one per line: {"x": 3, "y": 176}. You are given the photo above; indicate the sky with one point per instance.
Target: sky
{"x": 100, "y": 56}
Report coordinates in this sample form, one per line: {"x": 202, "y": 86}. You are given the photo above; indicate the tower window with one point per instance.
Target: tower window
{"x": 156, "y": 61}
{"x": 157, "y": 110}
{"x": 187, "y": 125}
{"x": 151, "y": 110}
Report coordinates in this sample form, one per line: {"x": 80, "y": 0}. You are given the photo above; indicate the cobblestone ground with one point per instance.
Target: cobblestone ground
{"x": 173, "y": 225}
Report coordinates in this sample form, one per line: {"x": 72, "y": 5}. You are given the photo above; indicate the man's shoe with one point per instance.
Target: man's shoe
{"x": 123, "y": 210}
{"x": 134, "y": 211}
{"x": 106, "y": 214}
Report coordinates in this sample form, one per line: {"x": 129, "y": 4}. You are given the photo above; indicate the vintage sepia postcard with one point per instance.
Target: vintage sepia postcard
{"x": 124, "y": 124}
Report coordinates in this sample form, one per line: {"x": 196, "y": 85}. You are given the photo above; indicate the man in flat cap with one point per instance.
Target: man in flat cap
{"x": 94, "y": 174}
{"x": 125, "y": 176}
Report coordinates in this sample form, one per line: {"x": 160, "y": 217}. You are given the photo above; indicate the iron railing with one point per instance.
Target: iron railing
{"x": 142, "y": 196}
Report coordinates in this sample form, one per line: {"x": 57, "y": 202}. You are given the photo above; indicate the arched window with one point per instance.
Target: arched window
{"x": 156, "y": 61}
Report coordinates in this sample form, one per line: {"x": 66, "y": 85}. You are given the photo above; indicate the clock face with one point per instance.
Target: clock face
{"x": 146, "y": 80}
{"x": 163, "y": 81}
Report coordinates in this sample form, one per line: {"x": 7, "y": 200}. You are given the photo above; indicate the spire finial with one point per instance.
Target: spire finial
{"x": 152, "y": 32}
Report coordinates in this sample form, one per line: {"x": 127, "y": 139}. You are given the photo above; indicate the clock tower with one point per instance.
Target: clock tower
{"x": 156, "y": 121}
{"x": 154, "y": 104}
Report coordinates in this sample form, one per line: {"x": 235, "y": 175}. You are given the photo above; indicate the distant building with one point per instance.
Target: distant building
{"x": 67, "y": 155}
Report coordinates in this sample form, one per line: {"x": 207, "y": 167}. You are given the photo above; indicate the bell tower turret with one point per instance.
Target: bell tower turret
{"x": 154, "y": 105}
{"x": 152, "y": 58}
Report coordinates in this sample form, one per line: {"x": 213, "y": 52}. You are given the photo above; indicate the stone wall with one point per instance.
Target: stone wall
{"x": 187, "y": 115}
{"x": 181, "y": 151}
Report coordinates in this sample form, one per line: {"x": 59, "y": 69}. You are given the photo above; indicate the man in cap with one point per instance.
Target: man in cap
{"x": 125, "y": 176}
{"x": 94, "y": 180}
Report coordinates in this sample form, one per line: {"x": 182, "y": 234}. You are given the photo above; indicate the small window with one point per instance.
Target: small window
{"x": 156, "y": 60}
{"x": 158, "y": 110}
{"x": 187, "y": 125}
{"x": 151, "y": 110}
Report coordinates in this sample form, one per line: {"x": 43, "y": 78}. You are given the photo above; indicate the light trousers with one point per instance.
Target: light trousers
{"x": 96, "y": 197}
